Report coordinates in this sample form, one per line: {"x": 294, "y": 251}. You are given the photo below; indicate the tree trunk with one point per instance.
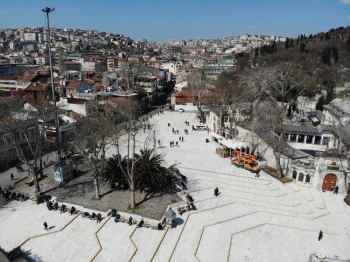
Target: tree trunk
{"x": 36, "y": 179}
{"x": 278, "y": 164}
{"x": 97, "y": 188}
{"x": 256, "y": 105}
{"x": 132, "y": 190}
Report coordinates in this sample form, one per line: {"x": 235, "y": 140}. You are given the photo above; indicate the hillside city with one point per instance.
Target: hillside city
{"x": 145, "y": 132}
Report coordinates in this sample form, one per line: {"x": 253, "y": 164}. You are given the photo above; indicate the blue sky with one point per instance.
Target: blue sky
{"x": 181, "y": 19}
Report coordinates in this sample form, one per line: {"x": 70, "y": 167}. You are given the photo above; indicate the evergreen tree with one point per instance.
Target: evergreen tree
{"x": 335, "y": 54}
{"x": 286, "y": 45}
{"x": 326, "y": 55}
{"x": 302, "y": 47}
{"x": 256, "y": 52}
{"x": 329, "y": 83}
{"x": 320, "y": 103}
{"x": 327, "y": 36}
{"x": 289, "y": 112}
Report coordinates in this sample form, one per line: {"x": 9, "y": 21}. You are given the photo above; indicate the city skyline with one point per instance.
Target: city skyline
{"x": 161, "y": 21}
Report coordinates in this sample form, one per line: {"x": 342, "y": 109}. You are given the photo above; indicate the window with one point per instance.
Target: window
{"x": 301, "y": 177}
{"x": 307, "y": 178}
{"x": 309, "y": 139}
{"x": 294, "y": 174}
{"x": 325, "y": 141}
{"x": 301, "y": 138}
{"x": 317, "y": 140}
{"x": 285, "y": 137}
{"x": 293, "y": 138}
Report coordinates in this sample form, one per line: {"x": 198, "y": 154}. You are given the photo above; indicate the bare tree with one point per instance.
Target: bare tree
{"x": 94, "y": 137}
{"x": 231, "y": 97}
{"x": 281, "y": 84}
{"x": 25, "y": 138}
{"x": 126, "y": 140}
{"x": 274, "y": 118}
{"x": 197, "y": 86}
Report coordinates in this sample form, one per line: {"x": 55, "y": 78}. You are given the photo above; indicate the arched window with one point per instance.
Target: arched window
{"x": 307, "y": 178}
{"x": 294, "y": 174}
{"x": 301, "y": 177}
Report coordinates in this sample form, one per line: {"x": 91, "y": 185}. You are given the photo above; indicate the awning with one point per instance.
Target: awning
{"x": 217, "y": 136}
{"x": 233, "y": 144}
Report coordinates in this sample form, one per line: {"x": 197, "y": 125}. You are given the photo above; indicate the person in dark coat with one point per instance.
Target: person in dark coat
{"x": 98, "y": 218}
{"x": 336, "y": 190}
{"x": 72, "y": 210}
{"x": 216, "y": 191}
{"x": 12, "y": 177}
{"x": 130, "y": 220}
{"x": 45, "y": 226}
{"x": 117, "y": 217}
{"x": 63, "y": 208}
{"x": 49, "y": 205}
{"x": 320, "y": 235}
{"x": 55, "y": 206}
{"x": 160, "y": 227}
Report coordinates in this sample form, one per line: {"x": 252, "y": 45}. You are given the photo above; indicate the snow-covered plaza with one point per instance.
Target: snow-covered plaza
{"x": 252, "y": 219}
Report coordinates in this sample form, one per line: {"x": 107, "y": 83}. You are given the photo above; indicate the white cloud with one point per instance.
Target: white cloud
{"x": 2, "y": 12}
{"x": 316, "y": 1}
{"x": 157, "y": 24}
{"x": 345, "y": 2}
{"x": 253, "y": 26}
{"x": 348, "y": 17}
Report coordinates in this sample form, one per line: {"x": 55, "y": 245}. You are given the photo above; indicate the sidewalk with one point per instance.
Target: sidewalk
{"x": 5, "y": 177}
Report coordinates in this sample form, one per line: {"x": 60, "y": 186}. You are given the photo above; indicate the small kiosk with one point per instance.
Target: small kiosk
{"x": 63, "y": 170}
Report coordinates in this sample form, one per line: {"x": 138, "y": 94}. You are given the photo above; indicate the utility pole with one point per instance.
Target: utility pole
{"x": 47, "y": 10}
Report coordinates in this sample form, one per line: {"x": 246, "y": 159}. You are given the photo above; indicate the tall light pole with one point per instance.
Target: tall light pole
{"x": 47, "y": 10}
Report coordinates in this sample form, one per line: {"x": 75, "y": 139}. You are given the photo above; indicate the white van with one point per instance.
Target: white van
{"x": 200, "y": 127}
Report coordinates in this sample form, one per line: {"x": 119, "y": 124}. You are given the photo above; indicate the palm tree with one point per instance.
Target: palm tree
{"x": 113, "y": 173}
{"x": 149, "y": 171}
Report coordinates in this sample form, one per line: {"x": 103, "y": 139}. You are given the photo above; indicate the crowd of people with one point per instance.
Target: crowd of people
{"x": 12, "y": 195}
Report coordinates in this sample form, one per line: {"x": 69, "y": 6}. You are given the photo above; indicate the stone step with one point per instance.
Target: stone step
{"x": 196, "y": 221}
{"x": 146, "y": 241}
{"x": 282, "y": 201}
{"x": 238, "y": 175}
{"x": 81, "y": 232}
{"x": 118, "y": 234}
{"x": 193, "y": 185}
{"x": 219, "y": 235}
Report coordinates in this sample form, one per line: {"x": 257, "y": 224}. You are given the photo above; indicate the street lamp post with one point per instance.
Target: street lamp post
{"x": 47, "y": 10}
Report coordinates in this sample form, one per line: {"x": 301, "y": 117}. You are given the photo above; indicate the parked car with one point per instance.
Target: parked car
{"x": 181, "y": 110}
{"x": 200, "y": 127}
